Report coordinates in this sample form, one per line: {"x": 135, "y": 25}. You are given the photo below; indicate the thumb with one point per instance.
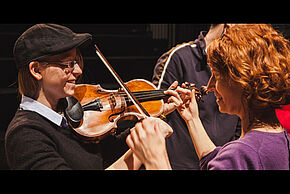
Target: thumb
{"x": 192, "y": 95}
{"x": 164, "y": 131}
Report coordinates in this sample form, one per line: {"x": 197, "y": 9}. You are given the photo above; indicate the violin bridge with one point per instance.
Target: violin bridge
{"x": 112, "y": 101}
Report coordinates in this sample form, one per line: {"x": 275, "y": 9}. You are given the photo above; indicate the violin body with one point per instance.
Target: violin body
{"x": 114, "y": 110}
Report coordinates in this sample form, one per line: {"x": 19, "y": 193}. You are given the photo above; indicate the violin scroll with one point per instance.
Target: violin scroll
{"x": 199, "y": 93}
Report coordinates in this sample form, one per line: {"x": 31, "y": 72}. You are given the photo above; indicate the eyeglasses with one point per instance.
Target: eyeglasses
{"x": 64, "y": 65}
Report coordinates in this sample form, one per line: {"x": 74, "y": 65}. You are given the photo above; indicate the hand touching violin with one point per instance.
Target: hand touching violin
{"x": 147, "y": 141}
{"x": 188, "y": 109}
{"x": 147, "y": 138}
{"x": 173, "y": 101}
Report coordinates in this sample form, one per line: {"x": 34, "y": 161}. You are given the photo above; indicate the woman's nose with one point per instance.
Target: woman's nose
{"x": 77, "y": 70}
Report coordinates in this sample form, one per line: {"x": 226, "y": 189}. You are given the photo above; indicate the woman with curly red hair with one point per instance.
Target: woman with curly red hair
{"x": 251, "y": 79}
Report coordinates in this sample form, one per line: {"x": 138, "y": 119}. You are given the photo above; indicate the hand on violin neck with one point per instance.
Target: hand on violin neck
{"x": 173, "y": 101}
{"x": 178, "y": 96}
{"x": 189, "y": 109}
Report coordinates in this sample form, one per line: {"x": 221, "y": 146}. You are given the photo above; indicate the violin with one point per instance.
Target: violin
{"x": 95, "y": 112}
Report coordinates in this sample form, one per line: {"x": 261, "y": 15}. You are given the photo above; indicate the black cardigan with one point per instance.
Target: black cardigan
{"x": 33, "y": 142}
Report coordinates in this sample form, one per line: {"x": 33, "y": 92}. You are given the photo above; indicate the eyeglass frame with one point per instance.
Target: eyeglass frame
{"x": 62, "y": 64}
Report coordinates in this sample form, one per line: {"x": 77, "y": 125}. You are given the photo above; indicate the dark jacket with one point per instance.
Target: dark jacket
{"x": 187, "y": 63}
{"x": 33, "y": 142}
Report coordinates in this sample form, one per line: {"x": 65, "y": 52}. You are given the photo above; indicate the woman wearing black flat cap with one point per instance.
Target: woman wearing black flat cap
{"x": 49, "y": 61}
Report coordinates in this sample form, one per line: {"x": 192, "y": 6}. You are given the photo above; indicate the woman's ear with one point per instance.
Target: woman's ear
{"x": 34, "y": 68}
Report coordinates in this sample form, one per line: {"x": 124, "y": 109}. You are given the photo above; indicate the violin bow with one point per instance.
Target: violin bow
{"x": 140, "y": 108}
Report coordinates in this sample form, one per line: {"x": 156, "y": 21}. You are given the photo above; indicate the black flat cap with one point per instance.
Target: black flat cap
{"x": 43, "y": 40}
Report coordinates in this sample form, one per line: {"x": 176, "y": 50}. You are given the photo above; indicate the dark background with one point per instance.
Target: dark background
{"x": 132, "y": 50}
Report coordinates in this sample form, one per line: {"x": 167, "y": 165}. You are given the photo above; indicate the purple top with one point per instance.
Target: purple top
{"x": 257, "y": 150}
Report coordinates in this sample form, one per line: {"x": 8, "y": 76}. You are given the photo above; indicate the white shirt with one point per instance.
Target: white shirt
{"x": 32, "y": 105}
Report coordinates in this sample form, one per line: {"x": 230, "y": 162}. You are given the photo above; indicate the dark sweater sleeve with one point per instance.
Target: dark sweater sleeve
{"x": 32, "y": 150}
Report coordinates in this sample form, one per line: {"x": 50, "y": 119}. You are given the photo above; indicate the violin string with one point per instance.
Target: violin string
{"x": 145, "y": 95}
{"x": 140, "y": 95}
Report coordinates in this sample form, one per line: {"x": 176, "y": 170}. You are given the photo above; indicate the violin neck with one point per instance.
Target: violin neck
{"x": 144, "y": 96}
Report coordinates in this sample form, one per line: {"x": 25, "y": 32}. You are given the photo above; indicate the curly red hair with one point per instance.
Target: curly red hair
{"x": 257, "y": 57}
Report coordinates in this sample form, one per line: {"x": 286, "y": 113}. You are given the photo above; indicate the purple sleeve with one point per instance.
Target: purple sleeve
{"x": 233, "y": 156}
{"x": 205, "y": 159}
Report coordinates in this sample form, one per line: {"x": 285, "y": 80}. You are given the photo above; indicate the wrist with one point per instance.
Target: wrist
{"x": 191, "y": 120}
{"x": 162, "y": 163}
{"x": 193, "y": 123}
